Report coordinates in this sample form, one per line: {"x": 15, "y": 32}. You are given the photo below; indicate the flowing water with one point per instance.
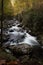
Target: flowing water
{"x": 20, "y": 36}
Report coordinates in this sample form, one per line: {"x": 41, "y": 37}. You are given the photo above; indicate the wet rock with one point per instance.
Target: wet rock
{"x": 25, "y": 49}
{"x": 22, "y": 48}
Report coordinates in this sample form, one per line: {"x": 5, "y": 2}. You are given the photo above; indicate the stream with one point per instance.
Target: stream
{"x": 17, "y": 35}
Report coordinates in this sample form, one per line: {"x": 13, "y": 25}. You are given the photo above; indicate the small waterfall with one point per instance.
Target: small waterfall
{"x": 20, "y": 36}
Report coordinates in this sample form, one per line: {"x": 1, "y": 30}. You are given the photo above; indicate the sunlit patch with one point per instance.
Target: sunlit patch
{"x": 19, "y": 6}
{"x": 12, "y": 2}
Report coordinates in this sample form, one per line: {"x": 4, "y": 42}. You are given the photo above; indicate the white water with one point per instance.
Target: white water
{"x": 30, "y": 40}
{"x": 16, "y": 36}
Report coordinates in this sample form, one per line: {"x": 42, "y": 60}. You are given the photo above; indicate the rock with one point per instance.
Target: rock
{"x": 25, "y": 49}
{"x": 19, "y": 50}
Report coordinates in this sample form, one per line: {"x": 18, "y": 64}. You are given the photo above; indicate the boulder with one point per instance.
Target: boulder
{"x": 25, "y": 49}
{"x": 21, "y": 48}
